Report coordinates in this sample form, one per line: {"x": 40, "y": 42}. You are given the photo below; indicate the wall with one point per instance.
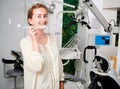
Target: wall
{"x": 111, "y": 3}
{"x": 12, "y": 14}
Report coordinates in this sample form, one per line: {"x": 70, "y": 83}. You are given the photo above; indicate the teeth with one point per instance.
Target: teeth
{"x": 40, "y": 27}
{"x": 44, "y": 27}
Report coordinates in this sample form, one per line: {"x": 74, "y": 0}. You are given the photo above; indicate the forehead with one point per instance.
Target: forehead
{"x": 39, "y": 11}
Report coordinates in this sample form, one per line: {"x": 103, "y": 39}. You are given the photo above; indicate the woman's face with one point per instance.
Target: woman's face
{"x": 39, "y": 17}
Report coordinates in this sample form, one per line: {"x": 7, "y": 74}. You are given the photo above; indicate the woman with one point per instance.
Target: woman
{"x": 42, "y": 65}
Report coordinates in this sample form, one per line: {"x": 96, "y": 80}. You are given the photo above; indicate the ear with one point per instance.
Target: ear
{"x": 30, "y": 21}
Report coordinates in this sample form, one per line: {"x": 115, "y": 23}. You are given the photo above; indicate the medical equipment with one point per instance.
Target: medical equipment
{"x": 103, "y": 76}
{"x": 17, "y": 69}
{"x": 102, "y": 40}
{"x": 98, "y": 15}
{"x": 85, "y": 39}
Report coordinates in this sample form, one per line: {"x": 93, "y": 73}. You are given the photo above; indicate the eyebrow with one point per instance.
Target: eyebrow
{"x": 44, "y": 14}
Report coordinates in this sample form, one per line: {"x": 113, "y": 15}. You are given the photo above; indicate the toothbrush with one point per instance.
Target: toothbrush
{"x": 41, "y": 27}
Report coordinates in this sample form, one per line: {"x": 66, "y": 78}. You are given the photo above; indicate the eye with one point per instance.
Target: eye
{"x": 38, "y": 16}
{"x": 45, "y": 16}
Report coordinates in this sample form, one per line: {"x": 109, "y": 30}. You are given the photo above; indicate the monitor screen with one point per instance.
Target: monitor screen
{"x": 103, "y": 40}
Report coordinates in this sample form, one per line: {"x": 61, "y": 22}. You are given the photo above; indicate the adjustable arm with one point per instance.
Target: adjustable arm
{"x": 98, "y": 15}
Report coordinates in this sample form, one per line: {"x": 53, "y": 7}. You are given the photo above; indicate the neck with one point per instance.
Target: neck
{"x": 40, "y": 33}
{"x": 43, "y": 39}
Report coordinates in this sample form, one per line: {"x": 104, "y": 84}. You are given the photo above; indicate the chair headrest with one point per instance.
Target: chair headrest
{"x": 17, "y": 54}
{"x": 102, "y": 63}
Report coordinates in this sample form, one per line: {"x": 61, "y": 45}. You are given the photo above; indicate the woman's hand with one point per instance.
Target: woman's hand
{"x": 61, "y": 85}
{"x": 32, "y": 33}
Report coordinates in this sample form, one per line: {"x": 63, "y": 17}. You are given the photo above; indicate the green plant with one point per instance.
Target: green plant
{"x": 68, "y": 32}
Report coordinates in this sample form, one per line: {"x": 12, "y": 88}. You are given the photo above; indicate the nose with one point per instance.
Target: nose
{"x": 42, "y": 19}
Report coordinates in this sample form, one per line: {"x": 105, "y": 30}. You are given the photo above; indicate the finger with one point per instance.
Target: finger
{"x": 31, "y": 29}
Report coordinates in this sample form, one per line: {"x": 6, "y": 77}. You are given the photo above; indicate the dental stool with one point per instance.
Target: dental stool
{"x": 16, "y": 71}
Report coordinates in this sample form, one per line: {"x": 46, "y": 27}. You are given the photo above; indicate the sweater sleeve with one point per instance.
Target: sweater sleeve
{"x": 32, "y": 60}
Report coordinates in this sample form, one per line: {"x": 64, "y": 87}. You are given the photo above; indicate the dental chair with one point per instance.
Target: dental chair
{"x": 103, "y": 76}
{"x": 16, "y": 70}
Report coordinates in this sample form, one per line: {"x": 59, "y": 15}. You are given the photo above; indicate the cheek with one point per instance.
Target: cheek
{"x": 46, "y": 22}
{"x": 32, "y": 21}
{"x": 35, "y": 21}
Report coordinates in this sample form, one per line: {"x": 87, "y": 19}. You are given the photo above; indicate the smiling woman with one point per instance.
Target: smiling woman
{"x": 42, "y": 65}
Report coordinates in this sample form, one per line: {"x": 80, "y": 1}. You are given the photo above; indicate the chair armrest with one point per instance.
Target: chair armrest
{"x": 8, "y": 61}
